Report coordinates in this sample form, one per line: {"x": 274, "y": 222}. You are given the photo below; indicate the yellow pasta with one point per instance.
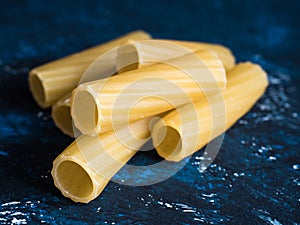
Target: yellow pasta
{"x": 223, "y": 53}
{"x": 82, "y": 171}
{"x": 100, "y": 105}
{"x": 61, "y": 110}
{"x": 176, "y": 138}
{"x": 135, "y": 54}
{"x": 53, "y": 80}
{"x": 61, "y": 116}
{"x": 113, "y": 114}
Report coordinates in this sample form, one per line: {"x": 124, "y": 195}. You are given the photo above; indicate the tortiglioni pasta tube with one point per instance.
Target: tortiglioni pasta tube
{"x": 53, "y": 80}
{"x": 246, "y": 84}
{"x": 139, "y": 53}
{"x": 133, "y": 55}
{"x": 99, "y": 105}
{"x": 82, "y": 171}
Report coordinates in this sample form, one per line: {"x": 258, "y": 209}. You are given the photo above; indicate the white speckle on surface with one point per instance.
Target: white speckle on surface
{"x": 243, "y": 122}
{"x": 5, "y": 212}
{"x": 40, "y": 114}
{"x": 202, "y": 158}
{"x": 264, "y": 215}
{"x": 272, "y": 158}
{"x": 202, "y": 169}
{"x": 18, "y": 221}
{"x": 189, "y": 210}
{"x": 238, "y": 174}
{"x": 274, "y": 80}
{"x": 10, "y": 203}
{"x": 161, "y": 203}
{"x": 296, "y": 181}
{"x": 209, "y": 195}
{"x": 17, "y": 213}
{"x": 295, "y": 115}
{"x": 197, "y": 219}
{"x": 286, "y": 105}
{"x": 199, "y": 157}
{"x": 296, "y": 166}
{"x": 168, "y": 205}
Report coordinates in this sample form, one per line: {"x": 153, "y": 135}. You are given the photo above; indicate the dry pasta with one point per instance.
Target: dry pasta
{"x": 100, "y": 105}
{"x": 246, "y": 83}
{"x": 82, "y": 171}
{"x": 136, "y": 54}
{"x": 53, "y": 80}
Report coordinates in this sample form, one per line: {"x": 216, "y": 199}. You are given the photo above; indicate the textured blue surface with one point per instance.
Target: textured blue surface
{"x": 254, "y": 179}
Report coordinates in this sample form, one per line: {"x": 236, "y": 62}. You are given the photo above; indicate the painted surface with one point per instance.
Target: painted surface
{"x": 255, "y": 179}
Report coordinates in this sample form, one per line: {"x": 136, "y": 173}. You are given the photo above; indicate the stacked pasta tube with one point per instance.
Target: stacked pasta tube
{"x": 194, "y": 91}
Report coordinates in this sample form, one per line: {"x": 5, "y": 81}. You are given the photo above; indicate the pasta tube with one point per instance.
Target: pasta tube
{"x": 61, "y": 115}
{"x": 51, "y": 81}
{"x": 223, "y": 52}
{"x": 101, "y": 105}
{"x": 136, "y": 54}
{"x": 82, "y": 171}
{"x": 246, "y": 84}
{"x": 61, "y": 110}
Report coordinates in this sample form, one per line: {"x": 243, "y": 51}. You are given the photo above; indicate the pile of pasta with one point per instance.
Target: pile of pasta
{"x": 180, "y": 99}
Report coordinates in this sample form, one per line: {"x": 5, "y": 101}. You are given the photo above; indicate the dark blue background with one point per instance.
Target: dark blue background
{"x": 254, "y": 179}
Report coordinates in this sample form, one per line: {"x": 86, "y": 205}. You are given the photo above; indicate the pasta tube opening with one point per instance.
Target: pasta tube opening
{"x": 87, "y": 116}
{"x": 127, "y": 58}
{"x": 37, "y": 88}
{"x": 168, "y": 142}
{"x": 62, "y": 118}
{"x": 73, "y": 178}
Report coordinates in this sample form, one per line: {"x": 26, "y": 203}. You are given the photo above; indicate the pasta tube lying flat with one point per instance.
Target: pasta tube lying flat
{"x": 82, "y": 171}
{"x": 51, "y": 81}
{"x": 223, "y": 53}
{"x": 135, "y": 54}
{"x": 101, "y": 105}
{"x": 246, "y": 84}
